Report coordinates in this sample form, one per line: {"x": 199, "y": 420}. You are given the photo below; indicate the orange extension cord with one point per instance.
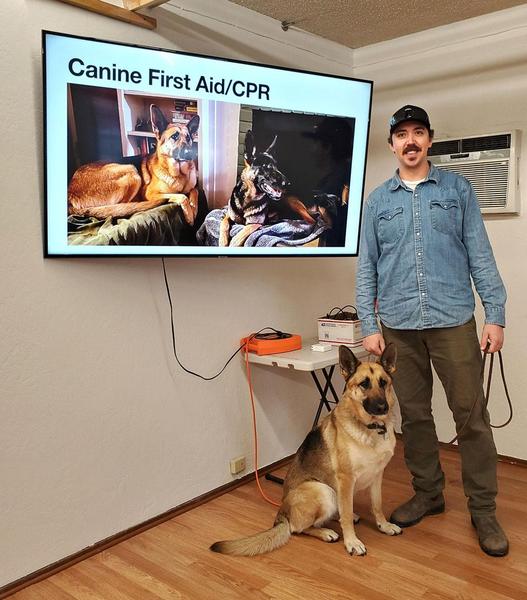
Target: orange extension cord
{"x": 255, "y": 433}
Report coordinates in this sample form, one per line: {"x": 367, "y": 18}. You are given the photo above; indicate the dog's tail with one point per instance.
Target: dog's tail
{"x": 260, "y": 543}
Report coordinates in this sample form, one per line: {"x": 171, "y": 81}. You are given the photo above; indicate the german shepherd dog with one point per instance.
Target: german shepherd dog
{"x": 346, "y": 452}
{"x": 169, "y": 174}
{"x": 258, "y": 196}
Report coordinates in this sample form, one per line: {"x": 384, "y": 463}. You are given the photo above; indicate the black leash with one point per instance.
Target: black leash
{"x": 487, "y": 393}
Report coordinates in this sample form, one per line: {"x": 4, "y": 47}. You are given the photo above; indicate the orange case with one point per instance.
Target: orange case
{"x": 273, "y": 346}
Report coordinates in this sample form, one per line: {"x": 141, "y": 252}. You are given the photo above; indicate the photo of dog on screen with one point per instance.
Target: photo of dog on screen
{"x": 259, "y": 197}
{"x": 172, "y": 171}
{"x": 292, "y": 187}
{"x": 135, "y": 182}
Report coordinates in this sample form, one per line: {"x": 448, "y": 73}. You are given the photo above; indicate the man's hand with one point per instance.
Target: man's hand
{"x": 493, "y": 334}
{"x": 374, "y": 344}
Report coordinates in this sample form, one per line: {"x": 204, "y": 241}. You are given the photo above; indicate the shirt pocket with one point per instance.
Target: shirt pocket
{"x": 445, "y": 214}
{"x": 391, "y": 225}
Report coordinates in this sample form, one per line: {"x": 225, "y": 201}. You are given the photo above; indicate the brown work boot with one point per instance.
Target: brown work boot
{"x": 492, "y": 538}
{"x": 416, "y": 508}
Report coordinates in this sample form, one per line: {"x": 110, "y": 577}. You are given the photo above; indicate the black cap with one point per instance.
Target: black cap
{"x": 409, "y": 113}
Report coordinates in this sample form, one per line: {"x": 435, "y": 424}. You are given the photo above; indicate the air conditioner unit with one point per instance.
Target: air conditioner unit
{"x": 491, "y": 164}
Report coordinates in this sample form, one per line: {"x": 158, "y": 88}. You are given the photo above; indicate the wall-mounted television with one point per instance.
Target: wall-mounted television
{"x": 159, "y": 152}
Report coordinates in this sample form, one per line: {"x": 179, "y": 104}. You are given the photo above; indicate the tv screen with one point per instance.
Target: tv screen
{"x": 156, "y": 152}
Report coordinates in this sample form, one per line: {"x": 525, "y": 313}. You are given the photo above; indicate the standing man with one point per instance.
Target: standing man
{"x": 423, "y": 239}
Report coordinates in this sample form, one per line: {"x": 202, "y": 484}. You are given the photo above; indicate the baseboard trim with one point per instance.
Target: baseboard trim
{"x": 60, "y": 565}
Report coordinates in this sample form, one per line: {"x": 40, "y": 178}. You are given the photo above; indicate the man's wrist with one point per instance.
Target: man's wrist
{"x": 369, "y": 327}
{"x": 495, "y": 315}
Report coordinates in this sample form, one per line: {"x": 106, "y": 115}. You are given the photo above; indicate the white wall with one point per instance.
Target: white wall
{"x": 99, "y": 428}
{"x": 472, "y": 78}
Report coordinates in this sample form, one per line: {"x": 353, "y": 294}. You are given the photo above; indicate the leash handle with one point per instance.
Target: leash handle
{"x": 487, "y": 393}
{"x": 502, "y": 370}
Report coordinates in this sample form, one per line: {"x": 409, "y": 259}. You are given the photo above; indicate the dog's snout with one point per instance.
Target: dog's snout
{"x": 281, "y": 179}
{"x": 376, "y": 406}
{"x": 187, "y": 152}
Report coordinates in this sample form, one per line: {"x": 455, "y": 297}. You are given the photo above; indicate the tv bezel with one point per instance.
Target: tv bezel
{"x": 217, "y": 255}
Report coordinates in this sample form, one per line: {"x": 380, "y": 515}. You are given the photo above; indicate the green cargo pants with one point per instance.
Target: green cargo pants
{"x": 455, "y": 354}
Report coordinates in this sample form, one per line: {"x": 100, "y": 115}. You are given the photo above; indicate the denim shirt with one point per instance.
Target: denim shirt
{"x": 418, "y": 251}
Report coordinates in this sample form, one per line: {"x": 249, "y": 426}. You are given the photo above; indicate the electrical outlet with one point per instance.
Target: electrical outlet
{"x": 237, "y": 465}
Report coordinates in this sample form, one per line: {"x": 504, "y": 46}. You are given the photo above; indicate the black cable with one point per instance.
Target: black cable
{"x": 174, "y": 335}
{"x": 341, "y": 313}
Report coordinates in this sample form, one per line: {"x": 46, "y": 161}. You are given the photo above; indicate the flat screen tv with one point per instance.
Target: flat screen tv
{"x": 157, "y": 152}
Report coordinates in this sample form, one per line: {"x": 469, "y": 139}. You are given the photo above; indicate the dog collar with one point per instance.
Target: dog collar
{"x": 381, "y": 427}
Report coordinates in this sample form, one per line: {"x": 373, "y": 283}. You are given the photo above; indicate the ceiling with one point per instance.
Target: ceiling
{"x": 356, "y": 23}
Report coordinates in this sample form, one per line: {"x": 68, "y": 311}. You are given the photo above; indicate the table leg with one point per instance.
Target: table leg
{"x": 323, "y": 392}
{"x": 328, "y": 377}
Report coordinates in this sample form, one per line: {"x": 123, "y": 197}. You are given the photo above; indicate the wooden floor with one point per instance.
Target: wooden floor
{"x": 437, "y": 559}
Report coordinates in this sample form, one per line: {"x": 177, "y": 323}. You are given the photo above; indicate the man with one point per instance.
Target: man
{"x": 423, "y": 239}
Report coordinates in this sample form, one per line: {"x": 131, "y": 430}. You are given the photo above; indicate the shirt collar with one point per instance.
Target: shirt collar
{"x": 395, "y": 181}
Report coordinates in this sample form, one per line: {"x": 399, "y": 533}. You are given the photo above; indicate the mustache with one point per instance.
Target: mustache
{"x": 411, "y": 147}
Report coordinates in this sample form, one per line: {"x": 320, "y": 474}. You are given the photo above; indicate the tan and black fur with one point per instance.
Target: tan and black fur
{"x": 259, "y": 196}
{"x": 346, "y": 452}
{"x": 168, "y": 174}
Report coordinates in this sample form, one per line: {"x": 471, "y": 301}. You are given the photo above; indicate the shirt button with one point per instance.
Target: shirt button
{"x": 418, "y": 254}
{"x": 420, "y": 274}
{"x": 418, "y": 233}
{"x": 422, "y": 293}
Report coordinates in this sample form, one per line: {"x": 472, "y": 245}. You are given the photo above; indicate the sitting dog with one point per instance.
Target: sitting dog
{"x": 256, "y": 196}
{"x": 169, "y": 174}
{"x": 346, "y": 452}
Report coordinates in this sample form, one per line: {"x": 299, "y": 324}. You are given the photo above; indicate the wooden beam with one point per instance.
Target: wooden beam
{"x": 137, "y": 4}
{"x": 115, "y": 12}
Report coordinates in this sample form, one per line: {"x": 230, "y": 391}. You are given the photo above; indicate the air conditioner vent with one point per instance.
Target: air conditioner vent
{"x": 446, "y": 147}
{"x": 489, "y": 180}
{"x": 488, "y": 142}
{"x": 491, "y": 164}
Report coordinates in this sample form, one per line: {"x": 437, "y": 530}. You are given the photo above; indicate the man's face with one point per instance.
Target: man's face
{"x": 410, "y": 142}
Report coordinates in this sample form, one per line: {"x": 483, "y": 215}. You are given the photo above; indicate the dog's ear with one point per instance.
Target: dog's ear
{"x": 250, "y": 148}
{"x": 388, "y": 358}
{"x": 347, "y": 362}
{"x": 271, "y": 147}
{"x": 193, "y": 125}
{"x": 159, "y": 123}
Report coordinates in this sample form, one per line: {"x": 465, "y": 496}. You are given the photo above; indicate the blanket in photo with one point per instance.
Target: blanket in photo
{"x": 289, "y": 232}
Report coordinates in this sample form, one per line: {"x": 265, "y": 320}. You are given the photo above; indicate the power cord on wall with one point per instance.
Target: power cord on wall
{"x": 255, "y": 432}
{"x": 248, "y": 369}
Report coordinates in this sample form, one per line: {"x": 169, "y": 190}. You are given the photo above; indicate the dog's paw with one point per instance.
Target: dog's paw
{"x": 178, "y": 198}
{"x": 389, "y": 528}
{"x": 328, "y": 535}
{"x": 355, "y": 546}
